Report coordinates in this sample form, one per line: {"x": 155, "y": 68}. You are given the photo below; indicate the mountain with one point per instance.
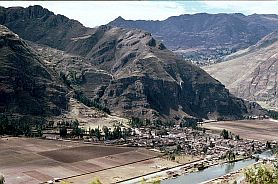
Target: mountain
{"x": 31, "y": 23}
{"x": 127, "y": 70}
{"x": 252, "y": 73}
{"x": 201, "y": 37}
{"x": 206, "y": 30}
{"x": 28, "y": 87}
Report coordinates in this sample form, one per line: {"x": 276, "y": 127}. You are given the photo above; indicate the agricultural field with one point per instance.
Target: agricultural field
{"x": 262, "y": 130}
{"x": 33, "y": 161}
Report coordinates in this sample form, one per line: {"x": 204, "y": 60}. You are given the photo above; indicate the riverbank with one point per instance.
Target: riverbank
{"x": 210, "y": 173}
{"x": 176, "y": 171}
{"x": 238, "y": 176}
{"x": 161, "y": 175}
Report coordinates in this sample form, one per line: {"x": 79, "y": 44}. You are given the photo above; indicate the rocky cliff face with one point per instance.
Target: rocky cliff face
{"x": 27, "y": 86}
{"x": 252, "y": 73}
{"x": 129, "y": 71}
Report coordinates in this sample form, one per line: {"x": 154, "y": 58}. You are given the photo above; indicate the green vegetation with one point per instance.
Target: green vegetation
{"x": 155, "y": 181}
{"x": 2, "y": 179}
{"x": 65, "y": 182}
{"x": 73, "y": 125}
{"x": 90, "y": 103}
{"x": 230, "y": 155}
{"x": 64, "y": 79}
{"x": 192, "y": 123}
{"x": 96, "y": 181}
{"x": 137, "y": 122}
{"x": 262, "y": 175}
{"x": 116, "y": 133}
{"x": 225, "y": 134}
{"x": 273, "y": 114}
{"x": 18, "y": 127}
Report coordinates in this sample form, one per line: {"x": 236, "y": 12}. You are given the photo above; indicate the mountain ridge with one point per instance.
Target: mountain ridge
{"x": 257, "y": 67}
{"x": 204, "y": 38}
{"x": 256, "y": 24}
{"x": 129, "y": 71}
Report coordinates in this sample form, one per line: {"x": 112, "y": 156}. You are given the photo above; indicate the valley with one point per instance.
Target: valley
{"x": 262, "y": 130}
{"x": 189, "y": 98}
{"x": 179, "y": 152}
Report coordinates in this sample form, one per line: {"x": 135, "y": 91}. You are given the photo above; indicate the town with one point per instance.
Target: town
{"x": 188, "y": 139}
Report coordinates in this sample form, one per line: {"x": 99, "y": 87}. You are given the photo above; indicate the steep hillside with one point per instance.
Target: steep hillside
{"x": 128, "y": 70}
{"x": 252, "y": 73}
{"x": 27, "y": 86}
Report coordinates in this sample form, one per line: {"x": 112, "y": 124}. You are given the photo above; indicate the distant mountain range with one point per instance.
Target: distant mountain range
{"x": 127, "y": 70}
{"x": 252, "y": 73}
{"x": 201, "y": 37}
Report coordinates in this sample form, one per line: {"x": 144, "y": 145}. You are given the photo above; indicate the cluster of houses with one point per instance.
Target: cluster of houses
{"x": 196, "y": 143}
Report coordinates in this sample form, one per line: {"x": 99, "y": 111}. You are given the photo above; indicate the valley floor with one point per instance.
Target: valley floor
{"x": 32, "y": 161}
{"x": 261, "y": 130}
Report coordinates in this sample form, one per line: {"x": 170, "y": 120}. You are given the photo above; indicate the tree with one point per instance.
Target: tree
{"x": 97, "y": 133}
{"x": 231, "y": 156}
{"x": 96, "y": 181}
{"x": 117, "y": 133}
{"x": 2, "y": 179}
{"x": 224, "y": 134}
{"x": 268, "y": 145}
{"x": 261, "y": 175}
{"x": 106, "y": 132}
{"x": 63, "y": 132}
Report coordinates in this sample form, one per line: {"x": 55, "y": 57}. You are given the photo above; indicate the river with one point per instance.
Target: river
{"x": 209, "y": 173}
{"x": 214, "y": 172}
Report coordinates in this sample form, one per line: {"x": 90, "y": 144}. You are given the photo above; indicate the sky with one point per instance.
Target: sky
{"x": 95, "y": 13}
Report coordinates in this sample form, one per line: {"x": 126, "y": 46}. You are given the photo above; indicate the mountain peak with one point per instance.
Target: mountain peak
{"x": 119, "y": 18}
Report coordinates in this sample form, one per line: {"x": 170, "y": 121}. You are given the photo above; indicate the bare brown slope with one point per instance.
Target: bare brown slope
{"x": 252, "y": 73}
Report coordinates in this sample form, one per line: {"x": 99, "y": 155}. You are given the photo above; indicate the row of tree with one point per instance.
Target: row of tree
{"x": 101, "y": 134}
{"x": 18, "y": 127}
{"x": 136, "y": 122}
{"x": 228, "y": 135}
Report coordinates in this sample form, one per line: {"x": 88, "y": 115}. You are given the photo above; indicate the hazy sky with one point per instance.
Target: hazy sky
{"x": 99, "y": 12}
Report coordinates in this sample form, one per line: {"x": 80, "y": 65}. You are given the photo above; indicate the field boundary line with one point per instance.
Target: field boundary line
{"x": 83, "y": 174}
